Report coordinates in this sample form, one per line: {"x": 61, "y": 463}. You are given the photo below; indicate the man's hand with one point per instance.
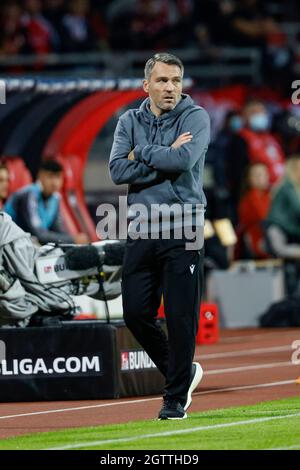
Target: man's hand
{"x": 182, "y": 139}
{"x": 131, "y": 155}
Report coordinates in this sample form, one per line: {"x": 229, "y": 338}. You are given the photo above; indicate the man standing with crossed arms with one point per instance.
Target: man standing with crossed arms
{"x": 159, "y": 151}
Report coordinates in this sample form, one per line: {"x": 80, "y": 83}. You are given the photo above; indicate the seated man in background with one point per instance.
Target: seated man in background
{"x": 282, "y": 225}
{"x": 36, "y": 208}
{"x": 283, "y": 220}
{"x": 4, "y": 183}
{"x": 29, "y": 297}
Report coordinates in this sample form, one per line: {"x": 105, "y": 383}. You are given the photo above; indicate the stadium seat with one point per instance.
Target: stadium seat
{"x": 19, "y": 175}
{"x": 73, "y": 204}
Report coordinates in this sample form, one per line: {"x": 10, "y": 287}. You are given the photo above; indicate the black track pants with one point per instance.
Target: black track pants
{"x": 152, "y": 268}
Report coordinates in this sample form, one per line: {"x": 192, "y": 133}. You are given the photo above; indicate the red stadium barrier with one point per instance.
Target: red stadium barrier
{"x": 208, "y": 332}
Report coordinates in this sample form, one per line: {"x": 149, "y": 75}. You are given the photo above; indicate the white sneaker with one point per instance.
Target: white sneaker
{"x": 197, "y": 374}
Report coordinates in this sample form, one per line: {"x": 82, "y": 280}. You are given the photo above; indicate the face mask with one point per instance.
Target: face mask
{"x": 259, "y": 122}
{"x": 235, "y": 123}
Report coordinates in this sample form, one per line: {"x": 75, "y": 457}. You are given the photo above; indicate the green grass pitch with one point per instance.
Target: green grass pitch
{"x": 268, "y": 425}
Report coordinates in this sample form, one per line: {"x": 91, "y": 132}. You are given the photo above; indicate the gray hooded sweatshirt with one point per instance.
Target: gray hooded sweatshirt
{"x": 161, "y": 174}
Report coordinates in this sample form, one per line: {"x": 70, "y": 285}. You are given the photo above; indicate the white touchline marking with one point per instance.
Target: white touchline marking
{"x": 297, "y": 446}
{"x": 252, "y": 367}
{"x": 248, "y": 352}
{"x": 143, "y": 400}
{"x": 246, "y": 387}
{"x": 79, "y": 408}
{"x": 174, "y": 433}
{"x": 273, "y": 411}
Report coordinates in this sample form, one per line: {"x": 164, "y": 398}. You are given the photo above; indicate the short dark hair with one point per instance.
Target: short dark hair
{"x": 51, "y": 165}
{"x": 253, "y": 101}
{"x": 165, "y": 58}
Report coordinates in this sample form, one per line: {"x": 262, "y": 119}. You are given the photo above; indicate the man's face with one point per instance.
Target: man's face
{"x": 33, "y": 6}
{"x": 259, "y": 177}
{"x": 51, "y": 182}
{"x": 256, "y": 117}
{"x": 164, "y": 87}
{"x": 4, "y": 183}
{"x": 252, "y": 109}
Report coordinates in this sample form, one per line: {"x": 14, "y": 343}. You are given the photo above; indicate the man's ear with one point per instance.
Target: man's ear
{"x": 146, "y": 85}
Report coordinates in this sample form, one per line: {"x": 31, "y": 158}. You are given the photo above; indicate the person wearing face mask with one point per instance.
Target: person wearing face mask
{"x": 217, "y": 184}
{"x": 217, "y": 152}
{"x": 254, "y": 143}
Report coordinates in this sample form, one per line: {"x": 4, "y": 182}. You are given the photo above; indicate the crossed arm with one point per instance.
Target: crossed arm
{"x": 124, "y": 170}
{"x": 147, "y": 164}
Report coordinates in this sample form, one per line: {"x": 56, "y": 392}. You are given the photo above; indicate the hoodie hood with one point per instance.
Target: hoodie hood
{"x": 185, "y": 102}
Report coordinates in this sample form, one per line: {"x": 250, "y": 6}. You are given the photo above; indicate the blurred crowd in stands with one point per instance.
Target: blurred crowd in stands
{"x": 43, "y": 26}
{"x": 34, "y": 27}
{"x": 254, "y": 169}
